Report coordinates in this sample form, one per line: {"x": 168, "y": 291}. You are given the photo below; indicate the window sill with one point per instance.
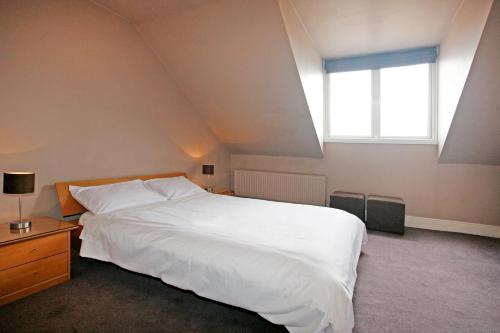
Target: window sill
{"x": 402, "y": 141}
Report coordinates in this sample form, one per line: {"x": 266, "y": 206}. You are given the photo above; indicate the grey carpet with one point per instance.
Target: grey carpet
{"x": 423, "y": 282}
{"x": 428, "y": 281}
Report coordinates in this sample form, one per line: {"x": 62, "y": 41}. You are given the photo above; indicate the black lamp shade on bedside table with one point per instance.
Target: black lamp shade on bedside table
{"x": 18, "y": 182}
{"x": 207, "y": 169}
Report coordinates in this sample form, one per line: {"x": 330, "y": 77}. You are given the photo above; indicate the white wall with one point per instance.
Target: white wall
{"x": 82, "y": 97}
{"x": 469, "y": 193}
{"x": 457, "y": 52}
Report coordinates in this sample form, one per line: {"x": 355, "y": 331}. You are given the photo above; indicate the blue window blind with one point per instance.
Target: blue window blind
{"x": 382, "y": 60}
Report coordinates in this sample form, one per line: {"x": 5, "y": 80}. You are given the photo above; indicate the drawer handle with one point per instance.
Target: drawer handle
{"x": 34, "y": 250}
{"x": 35, "y": 273}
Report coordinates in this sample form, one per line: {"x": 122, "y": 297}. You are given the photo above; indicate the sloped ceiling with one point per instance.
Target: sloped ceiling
{"x": 234, "y": 62}
{"x": 474, "y": 135}
{"x": 309, "y": 64}
{"x": 345, "y": 27}
{"x": 141, "y": 10}
{"x": 457, "y": 51}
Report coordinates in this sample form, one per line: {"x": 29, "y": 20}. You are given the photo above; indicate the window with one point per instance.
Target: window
{"x": 405, "y": 101}
{"x": 351, "y": 104}
{"x": 386, "y": 105}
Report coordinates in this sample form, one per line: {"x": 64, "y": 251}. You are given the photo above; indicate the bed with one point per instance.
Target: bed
{"x": 293, "y": 264}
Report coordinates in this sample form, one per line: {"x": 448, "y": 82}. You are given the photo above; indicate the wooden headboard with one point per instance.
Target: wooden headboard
{"x": 69, "y": 206}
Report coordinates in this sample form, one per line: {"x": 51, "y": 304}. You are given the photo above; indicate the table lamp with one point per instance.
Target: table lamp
{"x": 19, "y": 183}
{"x": 208, "y": 169}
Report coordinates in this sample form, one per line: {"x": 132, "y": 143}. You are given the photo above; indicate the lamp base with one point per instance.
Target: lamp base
{"x": 20, "y": 231}
{"x": 20, "y": 225}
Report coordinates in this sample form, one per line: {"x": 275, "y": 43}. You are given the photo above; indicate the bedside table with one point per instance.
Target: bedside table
{"x": 34, "y": 260}
{"x": 223, "y": 191}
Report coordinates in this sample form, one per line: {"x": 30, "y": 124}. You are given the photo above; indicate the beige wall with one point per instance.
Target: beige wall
{"x": 81, "y": 96}
{"x": 469, "y": 193}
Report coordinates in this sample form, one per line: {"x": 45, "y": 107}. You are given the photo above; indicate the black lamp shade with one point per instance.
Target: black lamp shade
{"x": 207, "y": 169}
{"x": 18, "y": 182}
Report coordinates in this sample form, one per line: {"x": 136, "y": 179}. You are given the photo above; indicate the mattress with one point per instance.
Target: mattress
{"x": 293, "y": 264}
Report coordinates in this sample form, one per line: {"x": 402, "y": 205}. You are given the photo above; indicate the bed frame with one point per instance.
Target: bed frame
{"x": 70, "y": 207}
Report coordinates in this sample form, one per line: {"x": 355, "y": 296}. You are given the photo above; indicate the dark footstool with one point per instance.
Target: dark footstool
{"x": 385, "y": 214}
{"x": 353, "y": 203}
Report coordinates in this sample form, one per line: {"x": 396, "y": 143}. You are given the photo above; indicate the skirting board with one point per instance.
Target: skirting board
{"x": 452, "y": 226}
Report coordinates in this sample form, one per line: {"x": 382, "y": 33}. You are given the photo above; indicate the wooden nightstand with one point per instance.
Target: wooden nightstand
{"x": 223, "y": 191}
{"x": 35, "y": 260}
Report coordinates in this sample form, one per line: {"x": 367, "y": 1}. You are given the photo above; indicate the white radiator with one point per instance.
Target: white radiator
{"x": 287, "y": 187}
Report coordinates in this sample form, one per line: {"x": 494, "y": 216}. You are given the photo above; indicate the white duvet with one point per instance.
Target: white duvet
{"x": 293, "y": 264}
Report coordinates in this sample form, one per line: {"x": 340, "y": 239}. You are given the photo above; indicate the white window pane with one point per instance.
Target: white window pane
{"x": 404, "y": 101}
{"x": 350, "y": 104}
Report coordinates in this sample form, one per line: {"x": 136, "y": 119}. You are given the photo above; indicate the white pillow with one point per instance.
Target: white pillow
{"x": 109, "y": 198}
{"x": 174, "y": 187}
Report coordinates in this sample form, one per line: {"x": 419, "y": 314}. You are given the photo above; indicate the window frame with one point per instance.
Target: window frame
{"x": 375, "y": 114}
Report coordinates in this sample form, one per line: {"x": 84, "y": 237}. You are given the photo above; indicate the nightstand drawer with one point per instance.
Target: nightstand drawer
{"x": 28, "y": 251}
{"x": 27, "y": 275}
